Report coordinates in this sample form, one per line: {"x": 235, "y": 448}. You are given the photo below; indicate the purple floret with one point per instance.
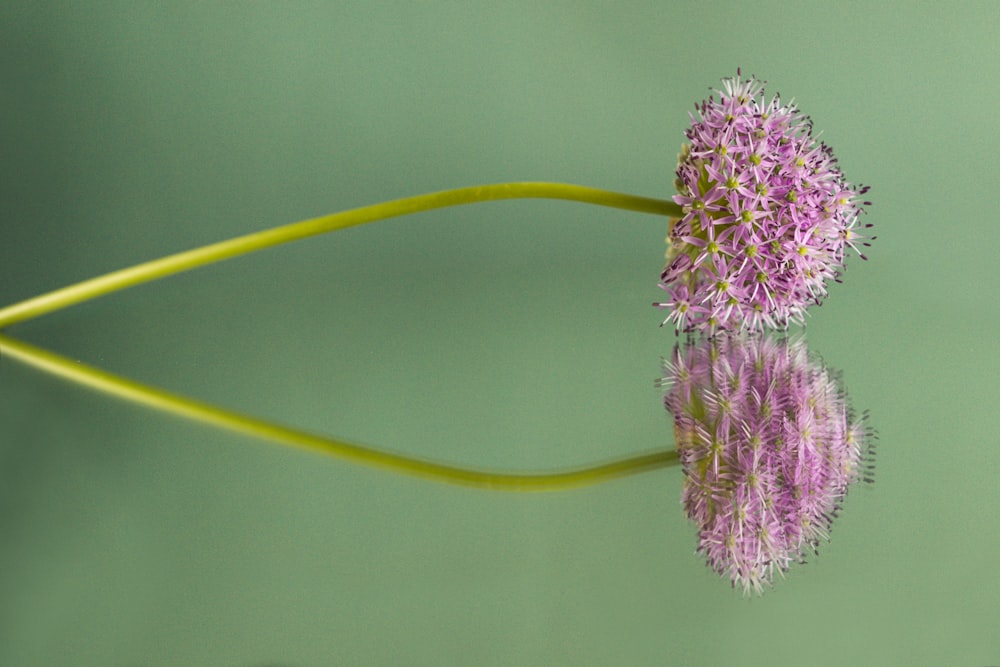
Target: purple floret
{"x": 768, "y": 216}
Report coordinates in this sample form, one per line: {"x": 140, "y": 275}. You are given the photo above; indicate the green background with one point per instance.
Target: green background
{"x": 515, "y": 335}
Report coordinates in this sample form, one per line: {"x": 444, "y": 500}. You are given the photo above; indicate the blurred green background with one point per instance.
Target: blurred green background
{"x": 516, "y": 335}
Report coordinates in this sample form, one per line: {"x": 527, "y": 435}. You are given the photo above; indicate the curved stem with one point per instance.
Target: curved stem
{"x": 216, "y": 252}
{"x": 176, "y": 404}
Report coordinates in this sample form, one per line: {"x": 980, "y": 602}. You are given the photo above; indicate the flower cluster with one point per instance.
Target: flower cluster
{"x": 769, "y": 446}
{"x": 767, "y": 216}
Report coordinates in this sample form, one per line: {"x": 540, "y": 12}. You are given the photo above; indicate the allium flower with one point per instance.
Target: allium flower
{"x": 768, "y": 216}
{"x": 769, "y": 446}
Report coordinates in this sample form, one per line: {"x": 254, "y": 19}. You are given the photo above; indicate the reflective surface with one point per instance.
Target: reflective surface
{"x": 514, "y": 335}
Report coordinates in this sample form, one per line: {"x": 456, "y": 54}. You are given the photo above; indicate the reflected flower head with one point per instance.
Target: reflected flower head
{"x": 769, "y": 447}
{"x": 768, "y": 216}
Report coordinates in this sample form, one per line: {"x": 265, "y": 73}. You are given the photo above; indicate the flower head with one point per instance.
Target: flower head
{"x": 767, "y": 219}
{"x": 769, "y": 447}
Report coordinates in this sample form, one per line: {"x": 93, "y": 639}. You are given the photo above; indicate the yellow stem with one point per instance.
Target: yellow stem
{"x": 176, "y": 404}
{"x": 185, "y": 261}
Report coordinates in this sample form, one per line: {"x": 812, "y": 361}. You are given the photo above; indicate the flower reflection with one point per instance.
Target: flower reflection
{"x": 769, "y": 447}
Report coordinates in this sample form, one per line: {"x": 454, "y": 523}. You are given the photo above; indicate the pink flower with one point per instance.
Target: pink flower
{"x": 768, "y": 216}
{"x": 769, "y": 447}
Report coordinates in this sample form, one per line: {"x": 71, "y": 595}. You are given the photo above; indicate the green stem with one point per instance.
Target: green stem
{"x": 216, "y": 252}
{"x": 182, "y": 406}
{"x": 176, "y": 404}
